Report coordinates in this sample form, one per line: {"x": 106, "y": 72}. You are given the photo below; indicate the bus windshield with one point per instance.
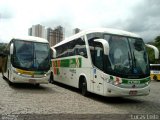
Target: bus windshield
{"x": 31, "y": 55}
{"x": 127, "y": 56}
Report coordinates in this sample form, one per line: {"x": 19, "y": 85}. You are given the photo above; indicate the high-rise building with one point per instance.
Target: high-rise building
{"x": 58, "y": 33}
{"x": 37, "y": 31}
{"x": 76, "y": 30}
{"x": 30, "y": 31}
{"x": 50, "y": 36}
{"x": 53, "y": 36}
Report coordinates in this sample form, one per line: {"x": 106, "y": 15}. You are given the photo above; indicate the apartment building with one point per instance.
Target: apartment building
{"x": 37, "y": 31}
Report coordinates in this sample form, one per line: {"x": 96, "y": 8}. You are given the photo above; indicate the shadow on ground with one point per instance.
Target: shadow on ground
{"x": 27, "y": 86}
{"x": 99, "y": 98}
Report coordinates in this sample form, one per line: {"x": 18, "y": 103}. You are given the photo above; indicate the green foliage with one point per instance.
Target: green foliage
{"x": 2, "y": 47}
{"x": 157, "y": 39}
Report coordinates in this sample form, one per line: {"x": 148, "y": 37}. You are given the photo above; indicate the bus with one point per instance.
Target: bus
{"x": 155, "y": 71}
{"x": 104, "y": 61}
{"x": 27, "y": 60}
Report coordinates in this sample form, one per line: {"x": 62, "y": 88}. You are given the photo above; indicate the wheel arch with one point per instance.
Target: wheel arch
{"x": 82, "y": 77}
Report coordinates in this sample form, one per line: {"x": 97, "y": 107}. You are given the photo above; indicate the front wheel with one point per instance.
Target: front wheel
{"x": 8, "y": 79}
{"x": 51, "y": 78}
{"x": 84, "y": 88}
{"x": 37, "y": 84}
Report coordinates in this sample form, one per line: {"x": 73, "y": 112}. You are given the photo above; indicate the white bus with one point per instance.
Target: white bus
{"x": 27, "y": 60}
{"x": 103, "y": 61}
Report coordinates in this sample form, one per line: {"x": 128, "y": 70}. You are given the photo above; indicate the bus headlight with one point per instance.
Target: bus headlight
{"x": 14, "y": 70}
{"x": 147, "y": 83}
{"x": 47, "y": 74}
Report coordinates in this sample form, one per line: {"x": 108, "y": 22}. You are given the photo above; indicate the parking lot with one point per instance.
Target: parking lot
{"x": 56, "y": 99}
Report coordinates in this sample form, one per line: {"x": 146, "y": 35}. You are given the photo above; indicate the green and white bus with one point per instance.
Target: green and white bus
{"x": 27, "y": 60}
{"x": 104, "y": 61}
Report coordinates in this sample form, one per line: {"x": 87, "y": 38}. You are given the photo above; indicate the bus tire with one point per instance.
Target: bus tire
{"x": 37, "y": 84}
{"x": 9, "y": 82}
{"x": 8, "y": 76}
{"x": 83, "y": 86}
{"x": 51, "y": 80}
{"x": 155, "y": 78}
{"x": 4, "y": 78}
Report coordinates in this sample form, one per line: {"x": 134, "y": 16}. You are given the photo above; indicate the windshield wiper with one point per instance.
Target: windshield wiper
{"x": 129, "y": 59}
{"x": 134, "y": 59}
{"x": 130, "y": 62}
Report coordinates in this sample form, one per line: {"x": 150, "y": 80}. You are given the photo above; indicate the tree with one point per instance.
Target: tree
{"x": 2, "y": 47}
{"x": 157, "y": 39}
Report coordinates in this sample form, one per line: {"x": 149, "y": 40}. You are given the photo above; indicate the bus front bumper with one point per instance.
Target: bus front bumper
{"x": 36, "y": 80}
{"x": 118, "y": 91}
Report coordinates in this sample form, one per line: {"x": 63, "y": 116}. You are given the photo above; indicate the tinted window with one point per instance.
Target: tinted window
{"x": 75, "y": 47}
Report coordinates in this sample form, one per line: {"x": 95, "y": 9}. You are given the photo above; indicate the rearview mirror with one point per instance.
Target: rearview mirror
{"x": 105, "y": 45}
{"x": 53, "y": 52}
{"x": 11, "y": 49}
{"x": 156, "y": 51}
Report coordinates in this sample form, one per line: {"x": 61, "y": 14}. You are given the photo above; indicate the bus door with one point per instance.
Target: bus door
{"x": 98, "y": 73}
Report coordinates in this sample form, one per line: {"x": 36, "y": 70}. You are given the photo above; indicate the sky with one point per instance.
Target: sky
{"x": 138, "y": 16}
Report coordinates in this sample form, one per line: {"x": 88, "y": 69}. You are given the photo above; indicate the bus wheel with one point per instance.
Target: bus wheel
{"x": 51, "y": 78}
{"x": 83, "y": 87}
{"x": 4, "y": 77}
{"x": 155, "y": 78}
{"x": 37, "y": 84}
{"x": 9, "y": 82}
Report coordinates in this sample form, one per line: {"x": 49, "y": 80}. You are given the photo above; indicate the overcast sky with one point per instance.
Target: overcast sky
{"x": 138, "y": 16}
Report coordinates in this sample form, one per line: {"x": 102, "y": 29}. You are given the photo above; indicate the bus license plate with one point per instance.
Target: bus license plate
{"x": 155, "y": 72}
{"x": 32, "y": 81}
{"x": 133, "y": 92}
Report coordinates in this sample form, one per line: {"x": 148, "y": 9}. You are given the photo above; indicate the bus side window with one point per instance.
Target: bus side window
{"x": 92, "y": 47}
{"x": 80, "y": 47}
{"x": 98, "y": 55}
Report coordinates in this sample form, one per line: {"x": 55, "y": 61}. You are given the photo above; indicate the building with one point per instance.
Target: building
{"x": 50, "y": 36}
{"x": 37, "y": 31}
{"x": 76, "y": 30}
{"x": 58, "y": 34}
{"x": 53, "y": 36}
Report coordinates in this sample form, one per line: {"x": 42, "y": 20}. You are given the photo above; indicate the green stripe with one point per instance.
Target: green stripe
{"x": 132, "y": 81}
{"x": 138, "y": 81}
{"x": 64, "y": 63}
{"x": 72, "y": 63}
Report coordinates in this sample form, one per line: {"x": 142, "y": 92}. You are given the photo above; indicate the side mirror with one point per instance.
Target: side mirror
{"x": 105, "y": 45}
{"x": 53, "y": 52}
{"x": 156, "y": 51}
{"x": 11, "y": 49}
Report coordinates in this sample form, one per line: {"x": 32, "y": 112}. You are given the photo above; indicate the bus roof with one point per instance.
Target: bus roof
{"x": 30, "y": 38}
{"x": 102, "y": 30}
